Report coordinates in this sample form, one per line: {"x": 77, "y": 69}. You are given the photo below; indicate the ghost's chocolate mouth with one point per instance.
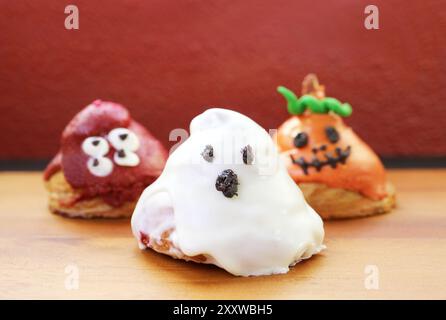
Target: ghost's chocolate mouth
{"x": 330, "y": 160}
{"x": 227, "y": 183}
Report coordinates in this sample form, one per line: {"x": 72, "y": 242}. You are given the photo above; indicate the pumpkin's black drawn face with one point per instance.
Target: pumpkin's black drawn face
{"x": 318, "y": 141}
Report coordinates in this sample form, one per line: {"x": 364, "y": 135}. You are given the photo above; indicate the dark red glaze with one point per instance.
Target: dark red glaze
{"x": 54, "y": 166}
{"x": 124, "y": 183}
{"x": 145, "y": 239}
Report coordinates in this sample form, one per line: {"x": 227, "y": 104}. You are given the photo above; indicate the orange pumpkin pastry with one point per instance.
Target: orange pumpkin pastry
{"x": 339, "y": 174}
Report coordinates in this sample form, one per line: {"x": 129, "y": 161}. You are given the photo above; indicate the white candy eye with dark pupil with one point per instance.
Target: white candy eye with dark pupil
{"x": 100, "y": 167}
{"x": 123, "y": 139}
{"x": 126, "y": 158}
{"x": 126, "y": 143}
{"x": 95, "y": 146}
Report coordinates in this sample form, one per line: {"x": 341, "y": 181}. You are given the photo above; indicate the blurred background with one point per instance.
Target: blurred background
{"x": 169, "y": 60}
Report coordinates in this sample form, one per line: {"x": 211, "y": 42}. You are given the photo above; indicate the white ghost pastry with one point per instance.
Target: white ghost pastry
{"x": 225, "y": 198}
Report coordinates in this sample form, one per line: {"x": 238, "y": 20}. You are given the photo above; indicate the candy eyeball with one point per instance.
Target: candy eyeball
{"x": 126, "y": 158}
{"x": 100, "y": 166}
{"x": 123, "y": 139}
{"x": 95, "y": 146}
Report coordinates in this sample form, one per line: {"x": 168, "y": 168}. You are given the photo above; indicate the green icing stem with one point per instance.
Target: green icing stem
{"x": 314, "y": 104}
{"x": 298, "y": 105}
{"x": 342, "y": 109}
{"x": 292, "y": 102}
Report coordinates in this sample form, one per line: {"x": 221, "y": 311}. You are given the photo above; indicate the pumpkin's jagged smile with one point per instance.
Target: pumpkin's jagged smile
{"x": 331, "y": 160}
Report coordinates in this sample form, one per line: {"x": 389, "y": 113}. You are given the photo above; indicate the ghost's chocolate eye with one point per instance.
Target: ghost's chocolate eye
{"x": 123, "y": 139}
{"x": 332, "y": 134}
{"x": 301, "y": 140}
{"x": 208, "y": 153}
{"x": 247, "y": 154}
{"x": 95, "y": 146}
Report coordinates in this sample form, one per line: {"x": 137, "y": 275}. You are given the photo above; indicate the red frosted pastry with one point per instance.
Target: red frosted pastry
{"x": 105, "y": 161}
{"x": 339, "y": 174}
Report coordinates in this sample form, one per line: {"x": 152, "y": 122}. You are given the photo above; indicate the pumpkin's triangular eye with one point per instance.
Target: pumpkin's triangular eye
{"x": 301, "y": 140}
{"x": 332, "y": 134}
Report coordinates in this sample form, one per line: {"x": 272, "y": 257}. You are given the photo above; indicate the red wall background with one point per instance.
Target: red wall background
{"x": 167, "y": 60}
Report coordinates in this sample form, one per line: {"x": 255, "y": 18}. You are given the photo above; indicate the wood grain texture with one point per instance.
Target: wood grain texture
{"x": 408, "y": 246}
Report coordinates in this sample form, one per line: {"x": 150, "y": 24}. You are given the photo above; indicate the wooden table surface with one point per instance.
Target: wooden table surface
{"x": 41, "y": 253}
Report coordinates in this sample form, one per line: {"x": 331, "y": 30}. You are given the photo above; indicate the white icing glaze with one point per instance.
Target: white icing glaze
{"x": 263, "y": 230}
{"x": 100, "y": 166}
